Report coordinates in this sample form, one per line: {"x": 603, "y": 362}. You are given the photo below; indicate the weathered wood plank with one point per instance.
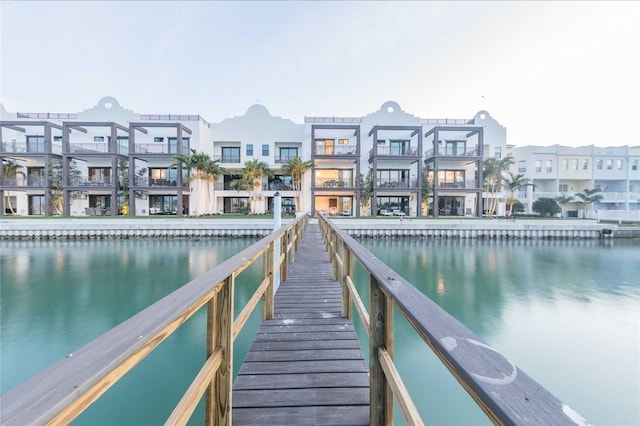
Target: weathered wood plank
{"x": 303, "y": 416}
{"x": 297, "y": 381}
{"x": 305, "y": 344}
{"x": 303, "y": 355}
{"x": 348, "y": 366}
{"x": 302, "y": 397}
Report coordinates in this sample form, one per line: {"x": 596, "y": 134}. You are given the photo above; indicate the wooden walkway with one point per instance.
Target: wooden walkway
{"x": 305, "y": 367}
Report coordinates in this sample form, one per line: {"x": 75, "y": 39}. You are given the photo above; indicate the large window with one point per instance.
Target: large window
{"x": 281, "y": 183}
{"x": 163, "y": 204}
{"x": 391, "y": 204}
{"x": 450, "y": 178}
{"x": 35, "y": 176}
{"x": 100, "y": 175}
{"x": 393, "y": 178}
{"x": 265, "y": 150}
{"x": 166, "y": 177}
{"x": 231, "y": 154}
{"x": 37, "y": 205}
{"x": 35, "y": 143}
{"x": 400, "y": 147}
{"x": 334, "y": 178}
{"x": 455, "y": 147}
{"x": 173, "y": 145}
{"x": 324, "y": 146}
{"x": 236, "y": 205}
{"x": 287, "y": 154}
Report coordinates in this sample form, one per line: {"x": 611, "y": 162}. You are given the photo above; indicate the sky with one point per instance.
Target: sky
{"x": 551, "y": 72}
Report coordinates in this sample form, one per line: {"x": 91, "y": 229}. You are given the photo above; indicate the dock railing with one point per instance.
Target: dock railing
{"x": 504, "y": 392}
{"x": 63, "y": 391}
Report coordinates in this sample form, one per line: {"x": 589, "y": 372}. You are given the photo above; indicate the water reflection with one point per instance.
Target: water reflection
{"x": 566, "y": 312}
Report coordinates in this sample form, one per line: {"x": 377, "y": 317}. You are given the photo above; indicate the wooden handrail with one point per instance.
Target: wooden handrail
{"x": 507, "y": 395}
{"x": 61, "y": 392}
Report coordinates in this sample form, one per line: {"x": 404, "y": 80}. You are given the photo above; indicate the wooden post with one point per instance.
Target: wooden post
{"x": 381, "y": 335}
{"x": 268, "y": 304}
{"x": 220, "y": 334}
{"x": 284, "y": 242}
{"x": 347, "y": 271}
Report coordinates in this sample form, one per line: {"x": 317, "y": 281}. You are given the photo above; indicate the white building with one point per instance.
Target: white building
{"x": 111, "y": 160}
{"x": 559, "y": 171}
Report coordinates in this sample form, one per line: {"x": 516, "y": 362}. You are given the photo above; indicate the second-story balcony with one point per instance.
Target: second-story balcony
{"x": 155, "y": 148}
{"x": 340, "y": 150}
{"x": 227, "y": 159}
{"x": 397, "y": 184}
{"x": 31, "y": 147}
{"x": 333, "y": 183}
{"x": 467, "y": 184}
{"x": 95, "y": 181}
{"x": 443, "y": 152}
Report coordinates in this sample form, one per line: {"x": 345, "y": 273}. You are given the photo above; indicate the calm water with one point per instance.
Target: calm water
{"x": 567, "y": 313}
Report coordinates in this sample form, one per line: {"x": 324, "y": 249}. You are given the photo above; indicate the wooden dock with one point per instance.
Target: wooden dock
{"x": 305, "y": 366}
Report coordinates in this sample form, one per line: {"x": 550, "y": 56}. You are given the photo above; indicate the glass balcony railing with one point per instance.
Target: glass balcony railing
{"x": 469, "y": 152}
{"x": 333, "y": 183}
{"x": 336, "y": 150}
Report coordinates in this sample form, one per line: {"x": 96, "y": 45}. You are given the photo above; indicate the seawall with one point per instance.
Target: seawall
{"x": 122, "y": 228}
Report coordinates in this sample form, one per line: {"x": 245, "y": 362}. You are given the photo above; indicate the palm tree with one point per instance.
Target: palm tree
{"x": 206, "y": 170}
{"x": 563, "y": 200}
{"x": 512, "y": 184}
{"x": 588, "y": 196}
{"x": 252, "y": 174}
{"x": 9, "y": 172}
{"x": 366, "y": 189}
{"x": 494, "y": 170}
{"x": 296, "y": 168}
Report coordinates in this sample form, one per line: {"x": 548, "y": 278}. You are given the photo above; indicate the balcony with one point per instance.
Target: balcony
{"x": 333, "y": 183}
{"x": 93, "y": 181}
{"x": 155, "y": 148}
{"x": 340, "y": 150}
{"x": 29, "y": 148}
{"x": 227, "y": 159}
{"x": 89, "y": 148}
{"x": 467, "y": 184}
{"x": 397, "y": 184}
{"x": 442, "y": 152}
{"x": 387, "y": 151}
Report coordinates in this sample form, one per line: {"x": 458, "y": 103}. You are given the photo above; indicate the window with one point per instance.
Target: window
{"x": 158, "y": 139}
{"x": 393, "y": 178}
{"x": 565, "y": 163}
{"x": 236, "y": 205}
{"x": 287, "y": 154}
{"x": 574, "y": 164}
{"x": 548, "y": 166}
{"x": 619, "y": 164}
{"x": 57, "y": 138}
{"x": 455, "y": 147}
{"x": 634, "y": 165}
{"x": 585, "y": 164}
{"x": 451, "y": 179}
{"x": 343, "y": 141}
{"x": 249, "y": 150}
{"x": 35, "y": 176}
{"x": 100, "y": 175}
{"x": 538, "y": 166}
{"x": 35, "y": 143}
{"x": 173, "y": 145}
{"x": 37, "y": 205}
{"x": 400, "y": 147}
{"x": 498, "y": 152}
{"x": 98, "y": 138}
{"x": 231, "y": 154}
{"x": 265, "y": 150}
{"x": 563, "y": 187}
{"x": 380, "y": 142}
{"x": 324, "y": 146}
{"x": 522, "y": 166}
{"x": 609, "y": 164}
{"x": 599, "y": 164}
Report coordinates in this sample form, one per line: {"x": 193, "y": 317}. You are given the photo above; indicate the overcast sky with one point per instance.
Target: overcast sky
{"x": 551, "y": 72}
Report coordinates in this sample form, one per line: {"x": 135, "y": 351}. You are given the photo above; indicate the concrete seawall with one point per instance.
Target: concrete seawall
{"x": 255, "y": 228}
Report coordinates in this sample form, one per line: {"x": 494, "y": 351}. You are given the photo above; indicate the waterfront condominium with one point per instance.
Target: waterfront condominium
{"x": 109, "y": 160}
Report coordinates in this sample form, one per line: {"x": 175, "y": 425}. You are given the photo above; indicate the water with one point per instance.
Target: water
{"x": 566, "y": 312}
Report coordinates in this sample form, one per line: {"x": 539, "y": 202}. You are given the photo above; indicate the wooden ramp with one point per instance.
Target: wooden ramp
{"x": 305, "y": 366}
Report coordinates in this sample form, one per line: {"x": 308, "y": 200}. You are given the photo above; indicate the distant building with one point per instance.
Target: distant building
{"x": 560, "y": 171}
{"x": 108, "y": 160}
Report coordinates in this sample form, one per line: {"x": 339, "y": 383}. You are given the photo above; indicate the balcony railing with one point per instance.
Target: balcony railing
{"x": 277, "y": 186}
{"x": 89, "y": 148}
{"x": 467, "y": 184}
{"x": 394, "y": 152}
{"x": 339, "y": 150}
{"x": 229, "y": 186}
{"x": 397, "y": 184}
{"x": 91, "y": 181}
{"x": 470, "y": 152}
{"x": 226, "y": 159}
{"x": 29, "y": 147}
{"x": 155, "y": 148}
{"x": 333, "y": 183}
